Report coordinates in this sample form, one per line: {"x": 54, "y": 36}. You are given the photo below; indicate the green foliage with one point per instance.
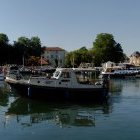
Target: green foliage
{"x": 3, "y": 48}
{"x": 27, "y": 47}
{"x": 3, "y": 39}
{"x": 35, "y": 45}
{"x": 13, "y": 54}
{"x": 106, "y": 49}
{"x": 69, "y": 59}
{"x": 75, "y": 58}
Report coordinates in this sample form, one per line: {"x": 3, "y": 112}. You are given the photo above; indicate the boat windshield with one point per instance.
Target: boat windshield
{"x": 57, "y": 73}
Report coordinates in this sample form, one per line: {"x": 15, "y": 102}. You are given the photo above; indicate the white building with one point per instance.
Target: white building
{"x": 55, "y": 56}
{"x": 108, "y": 64}
{"x": 135, "y": 58}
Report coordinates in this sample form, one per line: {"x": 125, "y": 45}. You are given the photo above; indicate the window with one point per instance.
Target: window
{"x": 51, "y": 56}
{"x": 65, "y": 74}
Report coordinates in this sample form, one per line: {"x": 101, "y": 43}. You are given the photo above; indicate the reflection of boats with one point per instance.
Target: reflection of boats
{"x": 4, "y": 94}
{"x": 84, "y": 117}
{"x": 29, "y": 112}
{"x": 64, "y": 84}
{"x": 1, "y": 73}
{"x": 1, "y": 76}
{"x": 116, "y": 86}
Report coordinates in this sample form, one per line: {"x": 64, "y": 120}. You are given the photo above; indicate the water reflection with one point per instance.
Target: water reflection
{"x": 115, "y": 86}
{"x": 33, "y": 119}
{"x": 4, "y": 94}
{"x": 27, "y": 112}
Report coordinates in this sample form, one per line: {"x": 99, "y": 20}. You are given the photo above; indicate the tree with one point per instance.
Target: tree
{"x": 3, "y": 48}
{"x": 13, "y": 53}
{"x": 26, "y": 47}
{"x": 35, "y": 45}
{"x": 75, "y": 58}
{"x": 69, "y": 58}
{"x": 107, "y": 49}
{"x": 21, "y": 49}
{"x": 3, "y": 38}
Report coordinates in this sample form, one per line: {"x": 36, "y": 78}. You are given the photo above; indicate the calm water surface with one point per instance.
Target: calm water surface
{"x": 116, "y": 118}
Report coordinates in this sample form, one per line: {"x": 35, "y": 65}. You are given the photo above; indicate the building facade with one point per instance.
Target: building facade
{"x": 135, "y": 58}
{"x": 55, "y": 56}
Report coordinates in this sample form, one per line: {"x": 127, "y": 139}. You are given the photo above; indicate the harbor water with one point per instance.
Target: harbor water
{"x": 115, "y": 118}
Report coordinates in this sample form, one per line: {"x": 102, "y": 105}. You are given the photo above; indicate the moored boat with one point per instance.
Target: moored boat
{"x": 121, "y": 70}
{"x": 117, "y": 72}
{"x": 64, "y": 84}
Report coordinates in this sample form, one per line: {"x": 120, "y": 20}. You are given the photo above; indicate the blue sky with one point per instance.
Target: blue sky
{"x": 72, "y": 24}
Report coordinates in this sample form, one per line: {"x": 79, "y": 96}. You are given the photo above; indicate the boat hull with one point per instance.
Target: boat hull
{"x": 57, "y": 93}
{"x": 119, "y": 76}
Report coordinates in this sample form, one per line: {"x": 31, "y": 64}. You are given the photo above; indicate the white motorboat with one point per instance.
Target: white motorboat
{"x": 64, "y": 84}
{"x": 117, "y": 72}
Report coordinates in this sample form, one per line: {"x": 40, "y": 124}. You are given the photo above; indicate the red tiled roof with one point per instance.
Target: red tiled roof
{"x": 53, "y": 49}
{"x": 43, "y": 61}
